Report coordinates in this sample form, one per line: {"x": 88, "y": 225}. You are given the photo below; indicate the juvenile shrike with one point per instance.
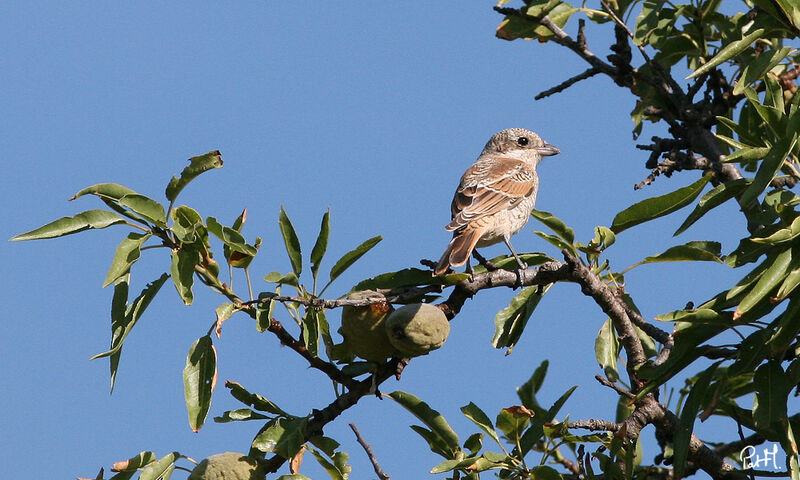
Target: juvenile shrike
{"x": 496, "y": 195}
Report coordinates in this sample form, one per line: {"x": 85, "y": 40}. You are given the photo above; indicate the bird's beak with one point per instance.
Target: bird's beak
{"x": 548, "y": 150}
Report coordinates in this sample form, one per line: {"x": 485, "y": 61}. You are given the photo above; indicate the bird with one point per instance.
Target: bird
{"x": 495, "y": 197}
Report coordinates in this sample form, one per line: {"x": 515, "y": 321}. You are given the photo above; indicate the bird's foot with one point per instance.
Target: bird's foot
{"x": 489, "y": 266}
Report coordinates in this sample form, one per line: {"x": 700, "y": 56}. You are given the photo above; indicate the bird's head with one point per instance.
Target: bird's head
{"x": 519, "y": 142}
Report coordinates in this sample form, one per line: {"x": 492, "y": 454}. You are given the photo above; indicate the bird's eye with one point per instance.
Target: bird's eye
{"x": 522, "y": 141}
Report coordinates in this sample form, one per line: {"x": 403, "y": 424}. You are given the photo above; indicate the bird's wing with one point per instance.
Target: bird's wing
{"x": 491, "y": 186}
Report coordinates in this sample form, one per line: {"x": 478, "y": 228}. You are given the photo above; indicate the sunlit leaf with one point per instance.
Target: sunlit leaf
{"x": 728, "y": 52}
{"x": 771, "y": 164}
{"x": 160, "y": 469}
{"x": 352, "y": 256}
{"x": 182, "y": 272}
{"x": 111, "y": 191}
{"x": 321, "y": 245}
{"x": 694, "y": 402}
{"x": 197, "y": 165}
{"x": 510, "y": 322}
{"x": 606, "y": 349}
{"x": 655, "y": 207}
{"x": 68, "y": 225}
{"x": 254, "y": 400}
{"x": 555, "y": 224}
{"x": 430, "y": 417}
{"x": 146, "y": 207}
{"x": 714, "y": 198}
{"x": 199, "y": 380}
{"x": 479, "y": 418}
{"x": 284, "y": 436}
{"x": 126, "y": 255}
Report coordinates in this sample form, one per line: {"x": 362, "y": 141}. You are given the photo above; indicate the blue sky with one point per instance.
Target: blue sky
{"x": 371, "y": 110}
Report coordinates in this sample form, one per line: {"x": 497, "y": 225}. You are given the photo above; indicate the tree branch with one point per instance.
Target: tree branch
{"x": 367, "y": 448}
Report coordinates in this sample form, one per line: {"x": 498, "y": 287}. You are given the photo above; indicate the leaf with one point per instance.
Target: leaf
{"x": 430, "y": 417}
{"x": 479, "y": 418}
{"x": 111, "y": 191}
{"x": 161, "y": 469}
{"x": 689, "y": 252}
{"x": 119, "y": 324}
{"x": 182, "y": 272}
{"x": 68, "y": 225}
{"x": 769, "y": 403}
{"x": 606, "y": 349}
{"x": 321, "y": 244}
{"x": 134, "y": 463}
{"x": 788, "y": 327}
{"x": 771, "y": 164}
{"x": 700, "y": 315}
{"x": 513, "y": 420}
{"x": 199, "y": 380}
{"x": 125, "y": 256}
{"x": 756, "y": 69}
{"x": 338, "y": 469}
{"x": 187, "y": 224}
{"x": 277, "y": 277}
{"x": 543, "y": 472}
{"x": 311, "y": 331}
{"x": 132, "y": 313}
{"x": 555, "y": 224}
{"x": 284, "y": 436}
{"x": 774, "y": 275}
{"x": 514, "y": 27}
{"x": 714, "y": 198}
{"x": 694, "y": 402}
{"x": 556, "y": 241}
{"x": 783, "y": 235}
{"x": 352, "y": 256}
{"x": 230, "y": 237}
{"x": 291, "y": 242}
{"x": 728, "y": 52}
{"x": 197, "y": 165}
{"x": 223, "y": 313}
{"x": 240, "y": 415}
{"x": 510, "y": 322}
{"x": 146, "y": 207}
{"x": 536, "y": 430}
{"x": 655, "y": 207}
{"x": 527, "y": 392}
{"x": 254, "y": 400}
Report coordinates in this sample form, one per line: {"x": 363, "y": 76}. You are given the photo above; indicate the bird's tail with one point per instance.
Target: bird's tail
{"x": 459, "y": 250}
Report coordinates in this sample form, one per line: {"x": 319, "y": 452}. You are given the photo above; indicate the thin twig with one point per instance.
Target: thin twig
{"x": 367, "y": 448}
{"x": 595, "y": 425}
{"x": 621, "y": 391}
{"x": 567, "y": 83}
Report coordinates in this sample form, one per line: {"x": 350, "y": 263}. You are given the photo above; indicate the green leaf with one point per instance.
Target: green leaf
{"x": 230, "y": 237}
{"x": 187, "y": 224}
{"x": 535, "y": 432}
{"x": 111, "y": 191}
{"x": 197, "y": 165}
{"x": 291, "y": 242}
{"x": 527, "y": 392}
{"x": 543, "y": 472}
{"x": 199, "y": 380}
{"x": 284, "y": 436}
{"x": 510, "y": 322}
{"x": 135, "y": 463}
{"x": 756, "y": 69}
{"x": 146, "y": 207}
{"x": 68, "y": 225}
{"x": 161, "y": 469}
{"x": 783, "y": 235}
{"x": 690, "y": 252}
{"x": 728, "y": 52}
{"x": 479, "y": 418}
{"x": 430, "y": 417}
{"x": 555, "y": 224}
{"x": 122, "y": 325}
{"x": 512, "y": 421}
{"x": 254, "y": 400}
{"x": 474, "y": 443}
{"x": 352, "y": 256}
{"x": 774, "y": 275}
{"x": 769, "y": 167}
{"x": 788, "y": 327}
{"x": 277, "y": 277}
{"x": 700, "y": 315}
{"x": 714, "y": 198}
{"x": 311, "y": 331}
{"x": 606, "y": 349}
{"x": 293, "y": 476}
{"x": 769, "y": 403}
{"x": 321, "y": 244}
{"x": 694, "y": 402}
{"x": 338, "y": 469}
{"x": 435, "y": 442}
{"x": 655, "y": 207}
{"x": 556, "y": 241}
{"x": 182, "y": 272}
{"x": 126, "y": 255}
{"x": 514, "y": 27}
{"x": 240, "y": 415}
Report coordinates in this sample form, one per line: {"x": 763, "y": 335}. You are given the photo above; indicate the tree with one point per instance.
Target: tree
{"x": 736, "y": 122}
